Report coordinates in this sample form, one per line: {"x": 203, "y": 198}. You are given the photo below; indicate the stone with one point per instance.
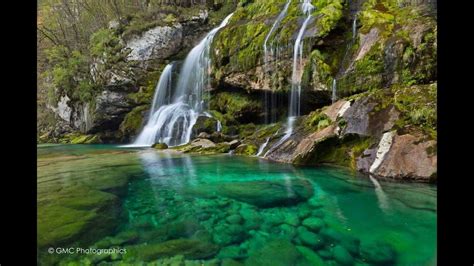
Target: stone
{"x": 378, "y": 253}
{"x": 232, "y": 252}
{"x": 288, "y": 231}
{"x": 362, "y": 118}
{"x": 291, "y": 218}
{"x": 277, "y": 253}
{"x": 234, "y": 144}
{"x": 157, "y": 43}
{"x": 268, "y": 193}
{"x": 311, "y": 256}
{"x": 309, "y": 238}
{"x": 408, "y": 158}
{"x": 189, "y": 248}
{"x": 342, "y": 256}
{"x": 229, "y": 234}
{"x": 204, "y": 135}
{"x": 160, "y": 146}
{"x": 264, "y": 194}
{"x": 234, "y": 219}
{"x": 246, "y": 149}
{"x": 351, "y": 244}
{"x": 204, "y": 124}
{"x": 314, "y": 224}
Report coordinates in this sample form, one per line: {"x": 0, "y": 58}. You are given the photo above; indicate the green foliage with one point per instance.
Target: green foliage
{"x": 235, "y": 106}
{"x": 318, "y": 120}
{"x": 331, "y": 13}
{"x": 376, "y": 13}
{"x": 418, "y": 107}
{"x": 70, "y": 73}
{"x": 133, "y": 121}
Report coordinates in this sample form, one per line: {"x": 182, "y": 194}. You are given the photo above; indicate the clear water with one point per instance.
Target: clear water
{"x": 171, "y": 190}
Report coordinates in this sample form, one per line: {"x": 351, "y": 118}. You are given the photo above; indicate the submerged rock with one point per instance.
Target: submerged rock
{"x": 378, "y": 253}
{"x": 314, "y": 224}
{"x": 277, "y": 253}
{"x": 189, "y": 248}
{"x": 309, "y": 238}
{"x": 264, "y": 193}
{"x": 311, "y": 256}
{"x": 342, "y": 256}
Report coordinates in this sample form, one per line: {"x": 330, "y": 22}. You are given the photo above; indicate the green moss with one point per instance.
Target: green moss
{"x": 236, "y": 107}
{"x": 316, "y": 72}
{"x": 317, "y": 120}
{"x": 160, "y": 146}
{"x": 246, "y": 130}
{"x": 79, "y": 138}
{"x": 329, "y": 12}
{"x": 246, "y": 149}
{"x": 418, "y": 107}
{"x": 376, "y": 13}
{"x": 133, "y": 121}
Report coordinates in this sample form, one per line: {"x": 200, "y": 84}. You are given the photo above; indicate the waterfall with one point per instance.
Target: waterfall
{"x": 268, "y": 55}
{"x": 288, "y": 132}
{"x": 354, "y": 28}
{"x": 266, "y": 51}
{"x": 262, "y": 147}
{"x": 219, "y": 126}
{"x": 173, "y": 115}
{"x": 162, "y": 94}
{"x": 295, "y": 95}
{"x": 334, "y": 90}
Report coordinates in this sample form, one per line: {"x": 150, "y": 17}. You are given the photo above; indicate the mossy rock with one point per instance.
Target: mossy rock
{"x": 189, "y": 248}
{"x": 278, "y": 253}
{"x": 160, "y": 146}
{"x": 133, "y": 121}
{"x": 204, "y": 124}
{"x": 236, "y": 107}
{"x": 246, "y": 149}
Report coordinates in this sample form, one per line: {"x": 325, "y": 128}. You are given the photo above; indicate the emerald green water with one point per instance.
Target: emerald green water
{"x": 194, "y": 210}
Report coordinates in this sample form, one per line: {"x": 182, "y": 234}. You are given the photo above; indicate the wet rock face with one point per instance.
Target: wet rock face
{"x": 163, "y": 42}
{"x": 204, "y": 124}
{"x": 110, "y": 110}
{"x": 363, "y": 120}
{"x": 157, "y": 43}
{"x": 409, "y": 157}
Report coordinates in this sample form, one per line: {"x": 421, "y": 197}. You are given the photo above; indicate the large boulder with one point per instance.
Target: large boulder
{"x": 262, "y": 194}
{"x": 402, "y": 157}
{"x": 204, "y": 124}
{"x": 277, "y": 253}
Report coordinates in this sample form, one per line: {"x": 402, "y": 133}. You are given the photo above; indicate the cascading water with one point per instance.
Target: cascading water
{"x": 163, "y": 89}
{"x": 262, "y": 147}
{"x": 295, "y": 97}
{"x": 295, "y": 94}
{"x": 354, "y": 28}
{"x": 334, "y": 90}
{"x": 268, "y": 55}
{"x": 174, "y": 114}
